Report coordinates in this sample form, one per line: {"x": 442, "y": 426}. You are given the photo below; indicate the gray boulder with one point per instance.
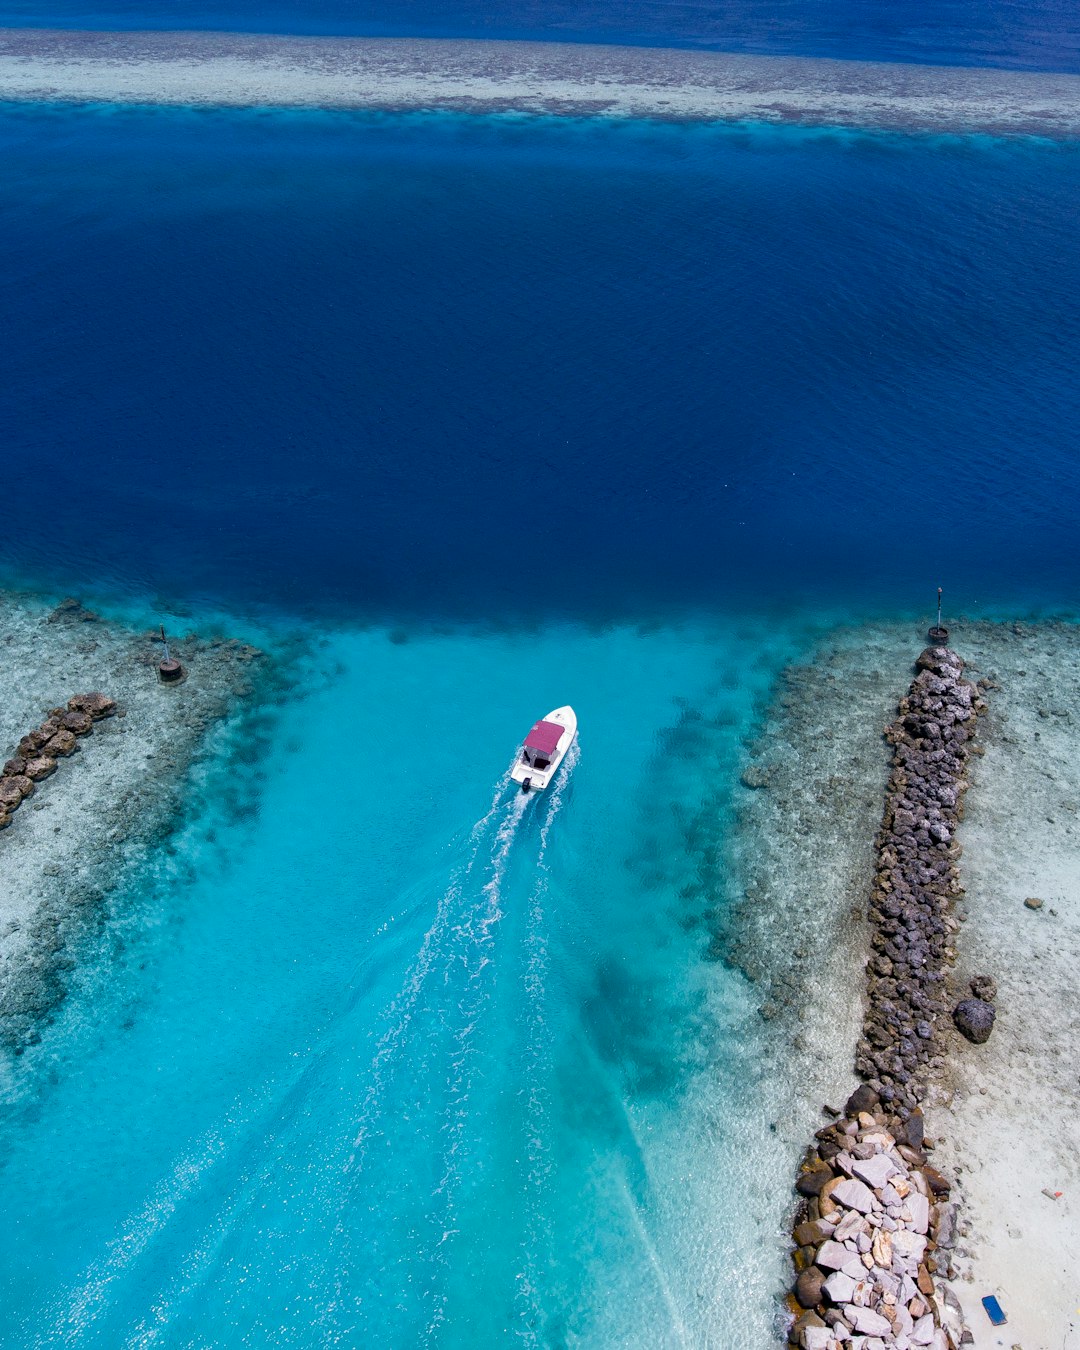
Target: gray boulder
{"x": 974, "y": 1018}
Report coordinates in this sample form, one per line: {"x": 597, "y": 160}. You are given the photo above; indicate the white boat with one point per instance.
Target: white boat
{"x": 545, "y": 749}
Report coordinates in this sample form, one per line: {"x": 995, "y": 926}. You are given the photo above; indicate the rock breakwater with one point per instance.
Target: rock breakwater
{"x": 38, "y": 752}
{"x": 88, "y": 822}
{"x": 917, "y": 880}
{"x": 872, "y": 1211}
{"x": 873, "y": 1218}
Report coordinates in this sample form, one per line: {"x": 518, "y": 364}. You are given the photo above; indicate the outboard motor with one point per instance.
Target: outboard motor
{"x": 526, "y": 784}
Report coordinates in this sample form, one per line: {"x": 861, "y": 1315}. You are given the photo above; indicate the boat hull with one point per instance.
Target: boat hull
{"x": 533, "y": 777}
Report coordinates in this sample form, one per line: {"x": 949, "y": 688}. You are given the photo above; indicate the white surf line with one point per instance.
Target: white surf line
{"x": 477, "y": 75}
{"x": 618, "y": 1169}
{"x": 663, "y": 1284}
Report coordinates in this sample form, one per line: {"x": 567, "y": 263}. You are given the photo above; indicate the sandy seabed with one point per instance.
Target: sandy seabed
{"x": 93, "y": 820}
{"x": 534, "y": 77}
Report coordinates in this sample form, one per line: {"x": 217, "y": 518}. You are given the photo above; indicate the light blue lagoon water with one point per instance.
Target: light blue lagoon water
{"x": 409, "y": 1058}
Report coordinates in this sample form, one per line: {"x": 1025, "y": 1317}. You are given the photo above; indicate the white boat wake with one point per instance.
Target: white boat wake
{"x": 427, "y": 1048}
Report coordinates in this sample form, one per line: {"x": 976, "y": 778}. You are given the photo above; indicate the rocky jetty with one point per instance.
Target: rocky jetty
{"x": 873, "y": 1230}
{"x": 872, "y": 1214}
{"x": 917, "y": 880}
{"x": 38, "y": 752}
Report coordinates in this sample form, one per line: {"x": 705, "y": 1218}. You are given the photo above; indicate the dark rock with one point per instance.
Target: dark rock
{"x": 811, "y": 1231}
{"x": 810, "y": 1183}
{"x": 754, "y": 776}
{"x": 982, "y": 986}
{"x": 15, "y": 765}
{"x": 13, "y": 789}
{"x": 808, "y": 1287}
{"x": 40, "y": 767}
{"x": 912, "y": 1130}
{"x": 77, "y": 722}
{"x": 974, "y": 1018}
{"x": 32, "y": 742}
{"x": 940, "y": 1187}
{"x": 96, "y": 705}
{"x": 72, "y": 611}
{"x": 63, "y": 743}
{"x": 862, "y": 1099}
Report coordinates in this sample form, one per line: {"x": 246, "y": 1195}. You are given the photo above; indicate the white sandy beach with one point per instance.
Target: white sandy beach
{"x": 1012, "y": 1122}
{"x": 552, "y": 78}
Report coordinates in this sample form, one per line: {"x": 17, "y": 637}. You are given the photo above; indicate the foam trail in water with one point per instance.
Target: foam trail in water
{"x": 474, "y": 954}
{"x": 84, "y": 1305}
{"x": 75, "y": 1314}
{"x": 399, "y": 1012}
{"x": 527, "y": 1291}
{"x": 458, "y": 946}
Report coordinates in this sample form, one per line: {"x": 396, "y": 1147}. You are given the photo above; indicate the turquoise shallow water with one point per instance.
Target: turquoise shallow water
{"x": 406, "y": 1058}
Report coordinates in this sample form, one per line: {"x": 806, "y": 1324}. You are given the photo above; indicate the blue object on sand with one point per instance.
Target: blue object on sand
{"x": 993, "y": 1310}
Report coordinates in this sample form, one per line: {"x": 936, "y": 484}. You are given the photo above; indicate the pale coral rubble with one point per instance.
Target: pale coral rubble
{"x": 122, "y": 779}
{"x": 531, "y": 77}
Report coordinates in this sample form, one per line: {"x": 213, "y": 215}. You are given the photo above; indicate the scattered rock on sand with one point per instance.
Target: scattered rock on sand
{"x": 754, "y": 776}
{"x": 982, "y": 986}
{"x": 40, "y": 767}
{"x": 96, "y": 705}
{"x": 13, "y": 789}
{"x": 1033, "y": 902}
{"x": 974, "y": 1018}
{"x": 79, "y": 723}
{"x": 40, "y": 748}
{"x": 32, "y": 742}
{"x": 62, "y": 743}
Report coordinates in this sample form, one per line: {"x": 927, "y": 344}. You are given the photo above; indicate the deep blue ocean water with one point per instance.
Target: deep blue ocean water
{"x": 490, "y": 366}
{"x": 496, "y": 413}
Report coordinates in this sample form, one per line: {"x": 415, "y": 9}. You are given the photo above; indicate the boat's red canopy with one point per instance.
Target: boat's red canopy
{"x": 544, "y": 737}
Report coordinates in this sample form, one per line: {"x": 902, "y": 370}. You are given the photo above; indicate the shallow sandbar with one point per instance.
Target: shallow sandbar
{"x": 232, "y": 69}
